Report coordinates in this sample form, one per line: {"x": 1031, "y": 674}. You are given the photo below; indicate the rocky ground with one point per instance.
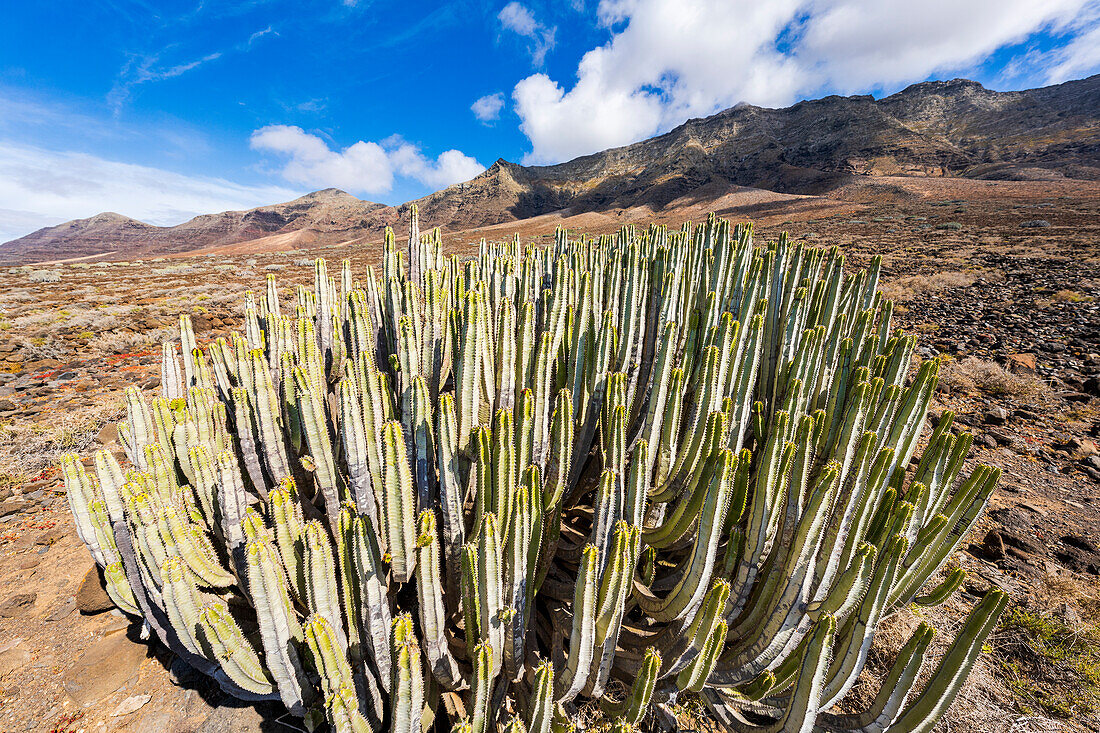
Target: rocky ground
{"x": 1001, "y": 280}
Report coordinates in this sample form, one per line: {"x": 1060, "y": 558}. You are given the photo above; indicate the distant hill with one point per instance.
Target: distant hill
{"x": 942, "y": 128}
{"x": 331, "y": 214}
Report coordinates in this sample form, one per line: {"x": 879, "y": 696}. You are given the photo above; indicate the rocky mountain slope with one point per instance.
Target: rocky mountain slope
{"x": 951, "y": 128}
{"x": 942, "y": 128}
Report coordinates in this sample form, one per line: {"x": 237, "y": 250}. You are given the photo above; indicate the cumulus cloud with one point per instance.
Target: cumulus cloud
{"x": 488, "y": 108}
{"x": 669, "y": 60}
{"x": 41, "y": 188}
{"x": 857, "y": 44}
{"x": 365, "y": 167}
{"x": 360, "y": 167}
{"x": 519, "y": 19}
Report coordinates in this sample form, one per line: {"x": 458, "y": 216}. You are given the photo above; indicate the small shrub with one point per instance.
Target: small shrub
{"x": 950, "y": 225}
{"x": 906, "y": 288}
{"x": 95, "y": 321}
{"x": 35, "y": 320}
{"x": 44, "y": 348}
{"x": 28, "y": 448}
{"x": 173, "y": 270}
{"x": 1072, "y": 296}
{"x": 44, "y": 276}
{"x": 120, "y": 342}
{"x": 976, "y": 375}
{"x": 1048, "y": 664}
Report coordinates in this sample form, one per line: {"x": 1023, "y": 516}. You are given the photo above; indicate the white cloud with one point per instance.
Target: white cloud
{"x": 519, "y": 19}
{"x": 146, "y": 68}
{"x": 452, "y": 166}
{"x": 668, "y": 60}
{"x": 365, "y": 167}
{"x": 261, "y": 33}
{"x": 42, "y": 188}
{"x": 1079, "y": 58}
{"x": 360, "y": 167}
{"x": 856, "y": 44}
{"x": 488, "y": 108}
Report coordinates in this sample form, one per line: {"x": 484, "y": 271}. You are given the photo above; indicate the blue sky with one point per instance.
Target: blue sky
{"x": 163, "y": 110}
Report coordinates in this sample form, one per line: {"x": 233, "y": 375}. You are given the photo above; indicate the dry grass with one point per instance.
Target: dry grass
{"x": 907, "y": 288}
{"x": 44, "y": 276}
{"x": 28, "y": 448}
{"x": 976, "y": 375}
{"x": 984, "y": 703}
{"x": 1039, "y": 670}
{"x": 1072, "y": 296}
{"x": 119, "y": 342}
{"x": 44, "y": 348}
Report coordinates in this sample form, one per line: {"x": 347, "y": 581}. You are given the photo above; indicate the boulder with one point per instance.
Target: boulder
{"x": 11, "y": 507}
{"x": 107, "y": 434}
{"x": 13, "y": 657}
{"x": 1021, "y": 363}
{"x": 91, "y": 596}
{"x": 993, "y": 547}
{"x": 995, "y": 416}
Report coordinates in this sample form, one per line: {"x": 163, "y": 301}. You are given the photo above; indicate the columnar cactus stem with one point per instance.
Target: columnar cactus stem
{"x": 322, "y": 588}
{"x": 408, "y": 684}
{"x": 399, "y": 504}
{"x": 280, "y": 630}
{"x": 433, "y": 618}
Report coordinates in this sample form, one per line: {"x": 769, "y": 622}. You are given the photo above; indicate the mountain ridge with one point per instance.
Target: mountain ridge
{"x": 935, "y": 128}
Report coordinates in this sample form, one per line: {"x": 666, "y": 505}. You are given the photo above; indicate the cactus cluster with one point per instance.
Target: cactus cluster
{"x": 482, "y": 493}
